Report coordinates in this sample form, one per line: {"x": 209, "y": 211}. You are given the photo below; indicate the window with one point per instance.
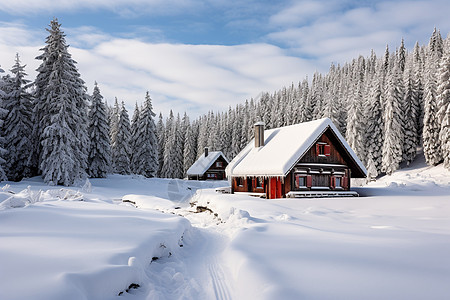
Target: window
{"x": 219, "y": 164}
{"x": 259, "y": 183}
{"x": 323, "y": 149}
{"x": 337, "y": 182}
{"x": 211, "y": 175}
{"x": 239, "y": 181}
{"x": 299, "y": 181}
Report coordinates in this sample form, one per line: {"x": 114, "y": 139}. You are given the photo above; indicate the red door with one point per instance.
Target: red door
{"x": 275, "y": 188}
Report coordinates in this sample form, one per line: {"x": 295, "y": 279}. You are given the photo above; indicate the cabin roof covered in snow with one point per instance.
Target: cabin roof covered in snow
{"x": 282, "y": 149}
{"x": 203, "y": 163}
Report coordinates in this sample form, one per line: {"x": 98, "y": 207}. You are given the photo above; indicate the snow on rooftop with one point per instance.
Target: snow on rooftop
{"x": 283, "y": 147}
{"x": 204, "y": 163}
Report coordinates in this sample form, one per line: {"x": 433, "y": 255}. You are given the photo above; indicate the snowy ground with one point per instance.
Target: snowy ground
{"x": 86, "y": 243}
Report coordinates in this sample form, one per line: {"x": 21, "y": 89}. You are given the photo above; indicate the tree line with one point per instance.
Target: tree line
{"x": 386, "y": 107}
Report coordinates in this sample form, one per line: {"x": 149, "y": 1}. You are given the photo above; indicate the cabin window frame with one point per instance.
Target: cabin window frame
{"x": 259, "y": 183}
{"x": 296, "y": 179}
{"x": 323, "y": 149}
{"x": 211, "y": 176}
{"x": 239, "y": 181}
{"x": 219, "y": 164}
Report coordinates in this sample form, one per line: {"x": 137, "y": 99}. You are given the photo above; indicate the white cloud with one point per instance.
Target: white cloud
{"x": 195, "y": 78}
{"x": 338, "y": 32}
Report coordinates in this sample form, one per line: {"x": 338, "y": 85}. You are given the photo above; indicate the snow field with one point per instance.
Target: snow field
{"x": 86, "y": 243}
{"x": 393, "y": 243}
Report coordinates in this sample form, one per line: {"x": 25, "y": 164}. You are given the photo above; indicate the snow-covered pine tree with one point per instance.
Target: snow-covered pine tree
{"x": 3, "y": 113}
{"x": 145, "y": 157}
{"x": 445, "y": 137}
{"x": 316, "y": 94}
{"x": 443, "y": 99}
{"x": 236, "y": 135}
{"x": 160, "y": 133}
{"x": 134, "y": 140}
{"x": 178, "y": 150}
{"x": 418, "y": 67}
{"x": 431, "y": 126}
{"x": 393, "y": 122}
{"x": 202, "y": 140}
{"x": 402, "y": 56}
{"x": 99, "y": 159}
{"x": 306, "y": 113}
{"x": 355, "y": 117}
{"x": 411, "y": 111}
{"x": 18, "y": 126}
{"x": 60, "y": 113}
{"x": 169, "y": 143}
{"x": 374, "y": 122}
{"x": 120, "y": 149}
{"x": 265, "y": 109}
{"x": 189, "y": 154}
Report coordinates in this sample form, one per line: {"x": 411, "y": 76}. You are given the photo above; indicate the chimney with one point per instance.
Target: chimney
{"x": 206, "y": 151}
{"x": 259, "y": 134}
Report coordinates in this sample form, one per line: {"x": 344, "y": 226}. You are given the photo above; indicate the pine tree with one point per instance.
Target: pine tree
{"x": 169, "y": 144}
{"x": 120, "y": 148}
{"x": 189, "y": 153}
{"x": 60, "y": 113}
{"x": 355, "y": 127}
{"x": 431, "y": 126}
{"x": 3, "y": 113}
{"x": 99, "y": 159}
{"x": 178, "y": 150}
{"x": 134, "y": 140}
{"x": 411, "y": 111}
{"x": 374, "y": 123}
{"x": 145, "y": 157}
{"x": 443, "y": 99}
{"x": 160, "y": 133}
{"x": 17, "y": 127}
{"x": 393, "y": 123}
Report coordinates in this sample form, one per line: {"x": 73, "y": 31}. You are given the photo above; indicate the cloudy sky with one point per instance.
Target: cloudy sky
{"x": 205, "y": 55}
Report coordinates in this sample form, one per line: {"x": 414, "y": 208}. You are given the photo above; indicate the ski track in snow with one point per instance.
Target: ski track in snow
{"x": 219, "y": 281}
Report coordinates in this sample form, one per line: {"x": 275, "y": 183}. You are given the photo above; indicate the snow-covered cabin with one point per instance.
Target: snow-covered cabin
{"x": 209, "y": 166}
{"x": 306, "y": 159}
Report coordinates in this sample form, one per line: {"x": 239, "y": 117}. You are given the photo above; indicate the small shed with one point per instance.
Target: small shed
{"x": 209, "y": 166}
{"x": 303, "y": 160}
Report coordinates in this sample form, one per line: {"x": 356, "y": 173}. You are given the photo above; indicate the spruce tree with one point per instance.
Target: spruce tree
{"x": 3, "y": 113}
{"x": 169, "y": 144}
{"x": 134, "y": 140}
{"x": 374, "y": 123}
{"x": 99, "y": 159}
{"x": 60, "y": 113}
{"x": 189, "y": 154}
{"x": 443, "y": 99}
{"x": 393, "y": 123}
{"x": 18, "y": 126}
{"x": 431, "y": 126}
{"x": 120, "y": 148}
{"x": 160, "y": 132}
{"x": 411, "y": 111}
{"x": 145, "y": 156}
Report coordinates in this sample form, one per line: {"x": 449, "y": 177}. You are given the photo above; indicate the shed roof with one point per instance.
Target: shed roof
{"x": 203, "y": 163}
{"x": 284, "y": 146}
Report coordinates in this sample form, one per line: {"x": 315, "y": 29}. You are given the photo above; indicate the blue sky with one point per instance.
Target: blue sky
{"x": 197, "y": 56}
